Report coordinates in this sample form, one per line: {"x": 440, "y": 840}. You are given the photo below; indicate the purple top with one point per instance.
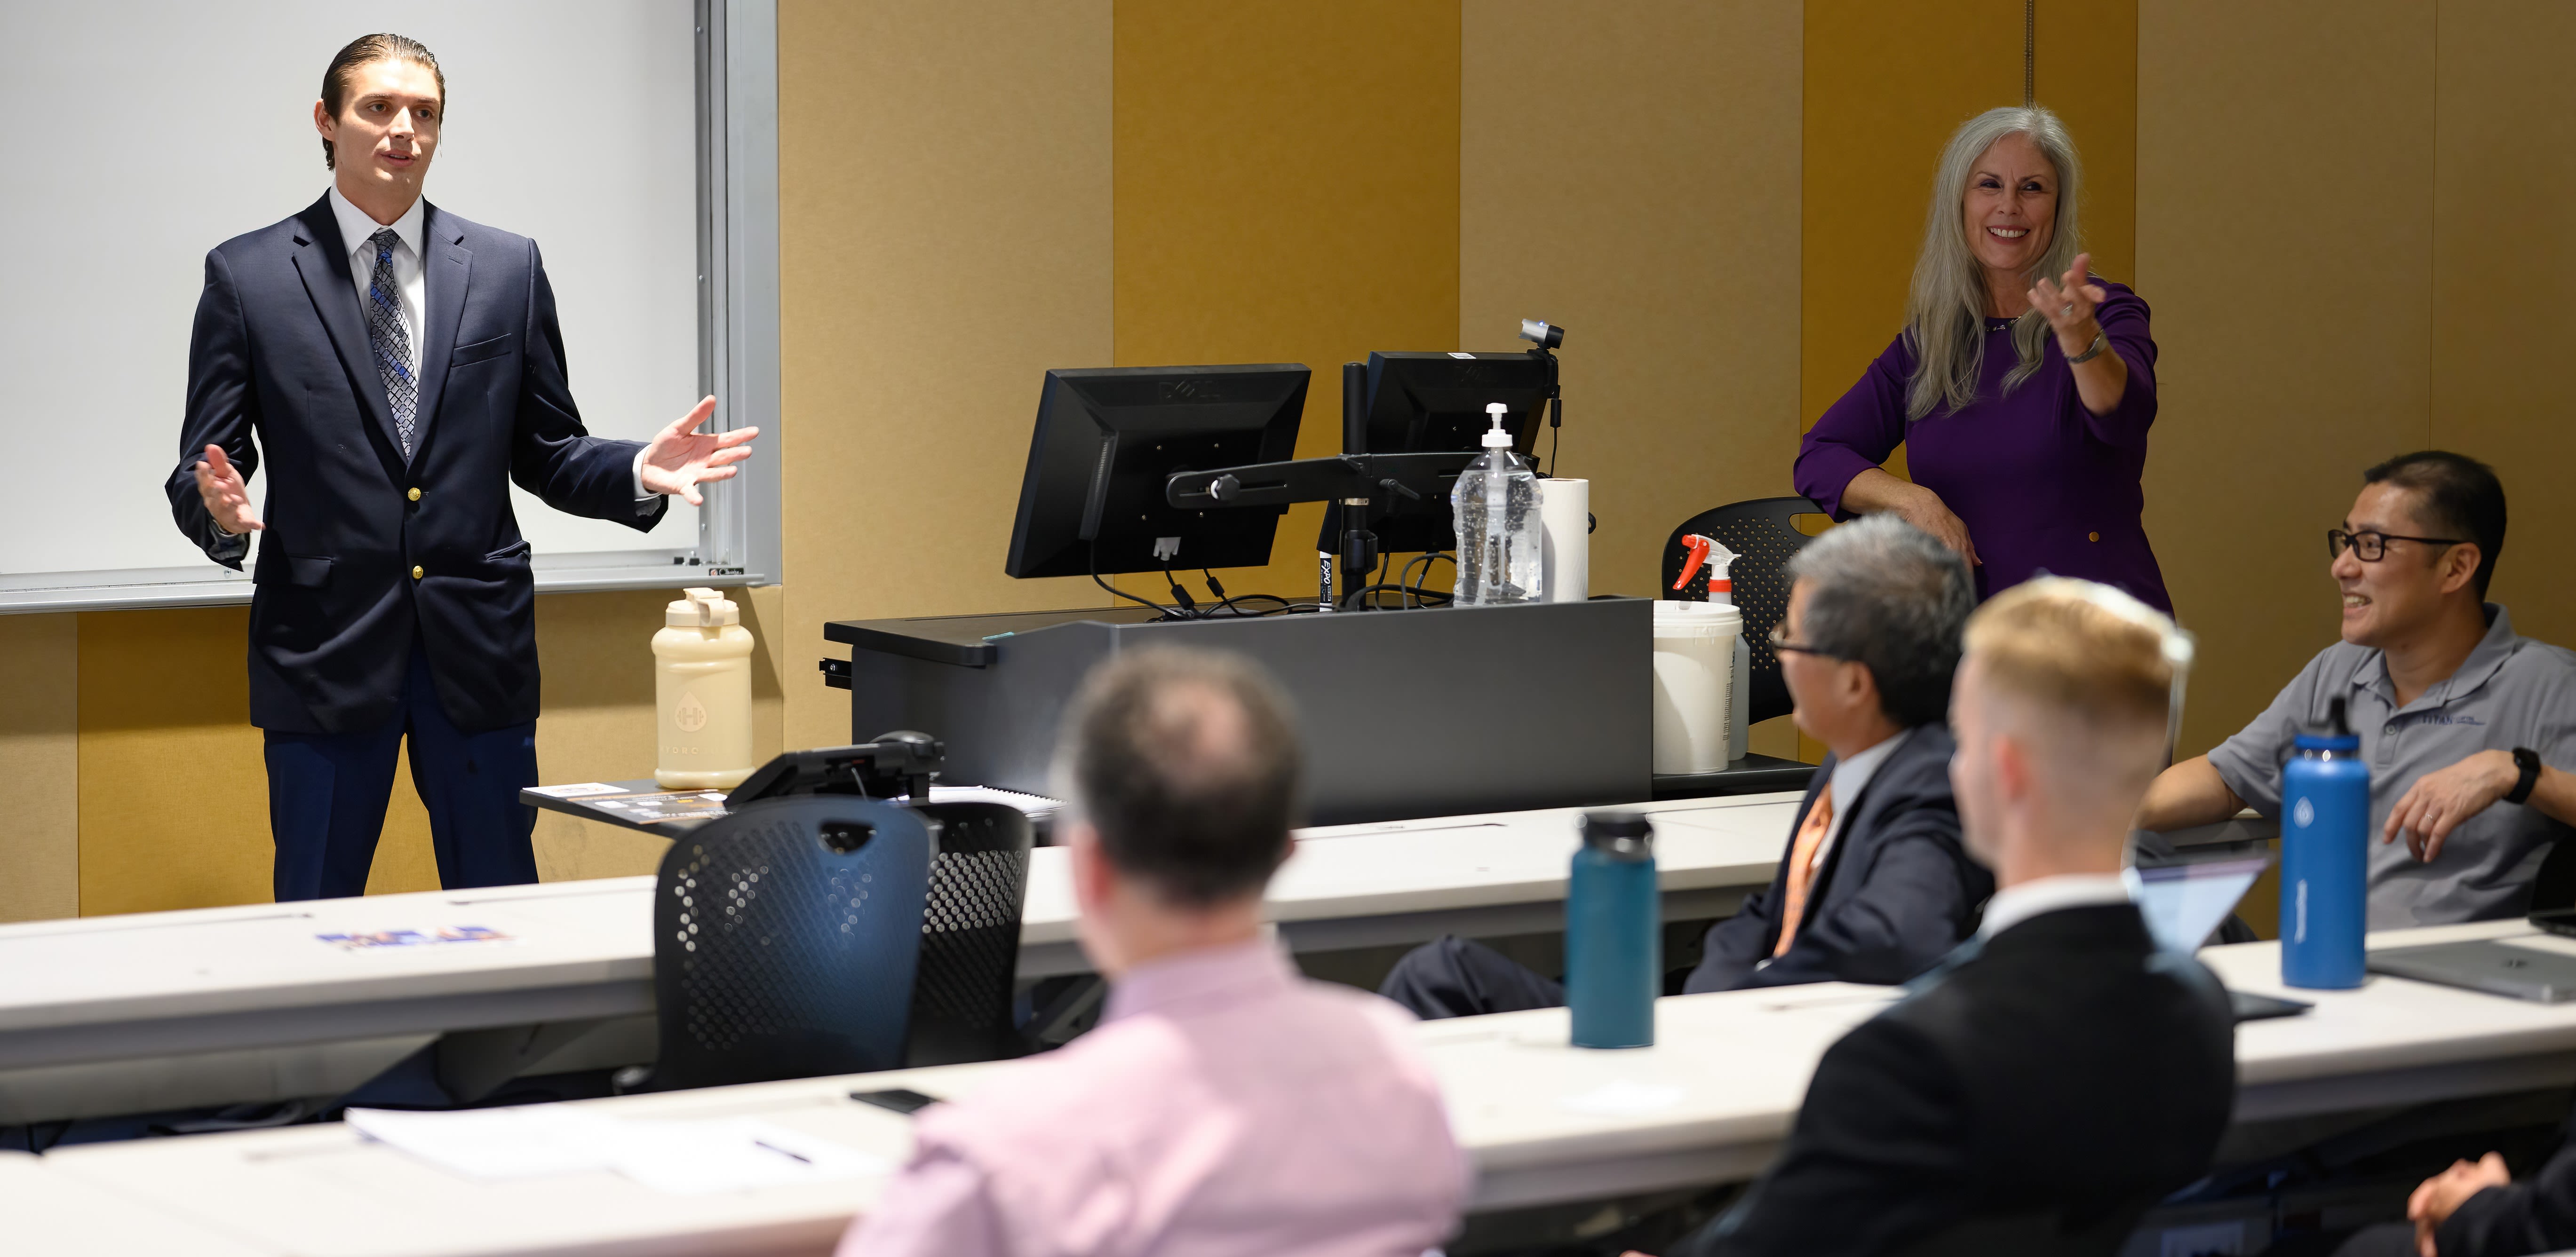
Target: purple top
{"x": 2041, "y": 482}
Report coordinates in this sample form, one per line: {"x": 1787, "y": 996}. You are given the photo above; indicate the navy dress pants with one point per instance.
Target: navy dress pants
{"x": 327, "y": 794}
{"x": 1455, "y": 977}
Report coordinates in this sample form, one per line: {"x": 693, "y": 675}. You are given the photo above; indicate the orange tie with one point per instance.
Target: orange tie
{"x": 1802, "y": 866}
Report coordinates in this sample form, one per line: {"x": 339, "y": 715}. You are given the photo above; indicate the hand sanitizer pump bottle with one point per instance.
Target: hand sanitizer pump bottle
{"x": 2325, "y": 858}
{"x": 1495, "y": 506}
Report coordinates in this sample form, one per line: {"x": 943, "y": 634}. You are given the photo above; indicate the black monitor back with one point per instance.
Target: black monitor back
{"x": 1430, "y": 403}
{"x": 1106, "y": 440}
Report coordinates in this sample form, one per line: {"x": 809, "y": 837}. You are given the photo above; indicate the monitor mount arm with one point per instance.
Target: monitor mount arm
{"x": 1354, "y": 481}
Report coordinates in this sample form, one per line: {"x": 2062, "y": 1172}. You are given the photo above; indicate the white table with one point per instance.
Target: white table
{"x": 126, "y": 1014}
{"x": 1544, "y": 1122}
{"x": 53, "y": 1212}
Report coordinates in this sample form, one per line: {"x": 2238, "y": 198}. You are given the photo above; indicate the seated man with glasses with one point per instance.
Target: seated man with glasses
{"x": 1874, "y": 885}
{"x": 2462, "y": 722}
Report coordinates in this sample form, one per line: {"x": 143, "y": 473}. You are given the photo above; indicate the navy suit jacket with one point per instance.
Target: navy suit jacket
{"x": 280, "y": 350}
{"x": 1896, "y": 893}
{"x": 2049, "y": 1084}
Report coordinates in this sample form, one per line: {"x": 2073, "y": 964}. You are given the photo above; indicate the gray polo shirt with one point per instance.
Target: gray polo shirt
{"x": 2511, "y": 692}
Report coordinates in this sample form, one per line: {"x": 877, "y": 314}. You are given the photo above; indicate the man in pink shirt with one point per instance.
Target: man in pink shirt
{"x": 1225, "y": 1105}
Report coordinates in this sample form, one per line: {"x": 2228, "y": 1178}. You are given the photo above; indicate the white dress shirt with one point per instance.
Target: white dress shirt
{"x": 357, "y": 231}
{"x": 1850, "y": 777}
{"x": 2015, "y": 904}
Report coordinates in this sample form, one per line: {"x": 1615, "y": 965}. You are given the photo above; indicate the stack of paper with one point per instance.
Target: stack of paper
{"x": 686, "y": 1158}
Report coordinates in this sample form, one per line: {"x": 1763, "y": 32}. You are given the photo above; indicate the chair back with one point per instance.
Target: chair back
{"x": 970, "y": 933}
{"x": 785, "y": 940}
{"x": 1760, "y": 534}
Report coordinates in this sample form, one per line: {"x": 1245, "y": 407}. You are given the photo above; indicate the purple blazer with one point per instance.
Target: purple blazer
{"x": 2042, "y": 483}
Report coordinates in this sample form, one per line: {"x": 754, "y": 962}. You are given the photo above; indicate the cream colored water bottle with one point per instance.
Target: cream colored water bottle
{"x": 702, "y": 688}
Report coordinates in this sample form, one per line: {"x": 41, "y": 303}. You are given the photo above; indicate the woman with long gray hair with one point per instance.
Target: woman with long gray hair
{"x": 2021, "y": 387}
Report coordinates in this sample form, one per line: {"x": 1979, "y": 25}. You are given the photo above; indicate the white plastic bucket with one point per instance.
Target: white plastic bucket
{"x": 1694, "y": 680}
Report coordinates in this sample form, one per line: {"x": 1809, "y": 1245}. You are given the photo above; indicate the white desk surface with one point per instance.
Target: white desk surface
{"x": 154, "y": 984}
{"x": 52, "y": 1212}
{"x": 1543, "y": 1121}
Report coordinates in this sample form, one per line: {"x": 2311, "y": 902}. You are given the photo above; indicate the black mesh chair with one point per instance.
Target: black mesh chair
{"x": 785, "y": 940}
{"x": 970, "y": 933}
{"x": 1760, "y": 534}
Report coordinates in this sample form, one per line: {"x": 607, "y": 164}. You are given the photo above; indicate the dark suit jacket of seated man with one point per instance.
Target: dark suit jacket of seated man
{"x": 2053, "y": 1079}
{"x": 1874, "y": 885}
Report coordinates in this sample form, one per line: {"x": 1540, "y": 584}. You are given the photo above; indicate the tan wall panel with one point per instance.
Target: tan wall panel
{"x": 1645, "y": 200}
{"x": 1287, "y": 191}
{"x": 2270, "y": 408}
{"x": 2504, "y": 283}
{"x": 2086, "y": 69}
{"x": 1886, "y": 82}
{"x": 944, "y": 226}
{"x": 173, "y": 792}
{"x": 174, "y": 813}
{"x": 40, "y": 761}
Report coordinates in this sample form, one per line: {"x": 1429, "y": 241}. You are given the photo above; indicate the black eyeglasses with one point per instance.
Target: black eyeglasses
{"x": 2371, "y": 547}
{"x": 1781, "y": 645}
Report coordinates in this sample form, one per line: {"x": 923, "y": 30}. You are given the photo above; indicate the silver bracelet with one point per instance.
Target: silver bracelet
{"x": 2091, "y": 352}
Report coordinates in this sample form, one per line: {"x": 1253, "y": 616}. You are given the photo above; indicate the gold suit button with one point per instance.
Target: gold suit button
{"x": 2090, "y": 536}
{"x": 415, "y": 495}
{"x": 415, "y": 571}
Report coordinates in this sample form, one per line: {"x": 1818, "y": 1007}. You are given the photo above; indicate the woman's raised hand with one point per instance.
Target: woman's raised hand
{"x": 2067, "y": 303}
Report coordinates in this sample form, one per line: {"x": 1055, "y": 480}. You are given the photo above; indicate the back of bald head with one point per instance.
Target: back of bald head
{"x": 1187, "y": 764}
{"x": 2087, "y": 679}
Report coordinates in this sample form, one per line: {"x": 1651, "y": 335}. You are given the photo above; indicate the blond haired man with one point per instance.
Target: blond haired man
{"x": 2056, "y": 1075}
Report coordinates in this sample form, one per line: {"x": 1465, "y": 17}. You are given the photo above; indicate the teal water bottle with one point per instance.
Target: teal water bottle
{"x": 1614, "y": 963}
{"x": 2325, "y": 858}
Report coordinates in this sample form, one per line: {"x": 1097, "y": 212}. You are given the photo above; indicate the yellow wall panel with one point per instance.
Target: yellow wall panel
{"x": 173, "y": 793}
{"x": 2285, "y": 149}
{"x": 2504, "y": 283}
{"x": 944, "y": 227}
{"x": 1287, "y": 191}
{"x": 40, "y": 762}
{"x": 1631, "y": 172}
{"x": 1886, "y": 82}
{"x": 2086, "y": 68}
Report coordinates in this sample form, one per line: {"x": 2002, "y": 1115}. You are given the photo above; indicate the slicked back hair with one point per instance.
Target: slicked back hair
{"x": 1187, "y": 764}
{"x": 1884, "y": 594}
{"x": 366, "y": 50}
{"x": 2457, "y": 496}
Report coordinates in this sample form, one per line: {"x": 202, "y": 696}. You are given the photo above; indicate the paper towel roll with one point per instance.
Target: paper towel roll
{"x": 1565, "y": 539}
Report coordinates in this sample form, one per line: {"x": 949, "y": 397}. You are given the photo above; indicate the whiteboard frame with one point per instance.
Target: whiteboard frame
{"x": 738, "y": 529}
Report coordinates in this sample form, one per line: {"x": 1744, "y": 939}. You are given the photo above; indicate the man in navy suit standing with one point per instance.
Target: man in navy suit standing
{"x": 400, "y": 366}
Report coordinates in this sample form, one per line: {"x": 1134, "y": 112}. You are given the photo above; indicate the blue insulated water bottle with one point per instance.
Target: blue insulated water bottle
{"x": 1614, "y": 964}
{"x": 2325, "y": 858}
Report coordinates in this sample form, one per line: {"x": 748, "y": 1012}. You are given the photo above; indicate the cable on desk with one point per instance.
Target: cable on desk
{"x": 1113, "y": 589}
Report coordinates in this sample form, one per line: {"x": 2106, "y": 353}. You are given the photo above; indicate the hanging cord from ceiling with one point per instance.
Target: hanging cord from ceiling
{"x": 2029, "y": 33}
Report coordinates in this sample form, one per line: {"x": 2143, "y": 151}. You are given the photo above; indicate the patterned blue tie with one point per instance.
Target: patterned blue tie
{"x": 390, "y": 337}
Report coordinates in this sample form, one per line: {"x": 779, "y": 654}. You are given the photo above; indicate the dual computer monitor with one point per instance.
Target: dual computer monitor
{"x": 1091, "y": 499}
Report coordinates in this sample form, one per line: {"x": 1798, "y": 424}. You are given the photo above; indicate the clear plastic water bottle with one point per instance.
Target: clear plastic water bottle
{"x": 1495, "y": 506}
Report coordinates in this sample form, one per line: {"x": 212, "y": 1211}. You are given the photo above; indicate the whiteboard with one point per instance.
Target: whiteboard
{"x": 144, "y": 132}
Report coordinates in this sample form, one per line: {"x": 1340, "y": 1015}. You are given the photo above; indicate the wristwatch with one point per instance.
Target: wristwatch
{"x": 2092, "y": 351}
{"x": 2528, "y": 761}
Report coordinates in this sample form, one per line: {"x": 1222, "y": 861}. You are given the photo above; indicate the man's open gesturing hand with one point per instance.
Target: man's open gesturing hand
{"x": 681, "y": 458}
{"x": 219, "y": 483}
